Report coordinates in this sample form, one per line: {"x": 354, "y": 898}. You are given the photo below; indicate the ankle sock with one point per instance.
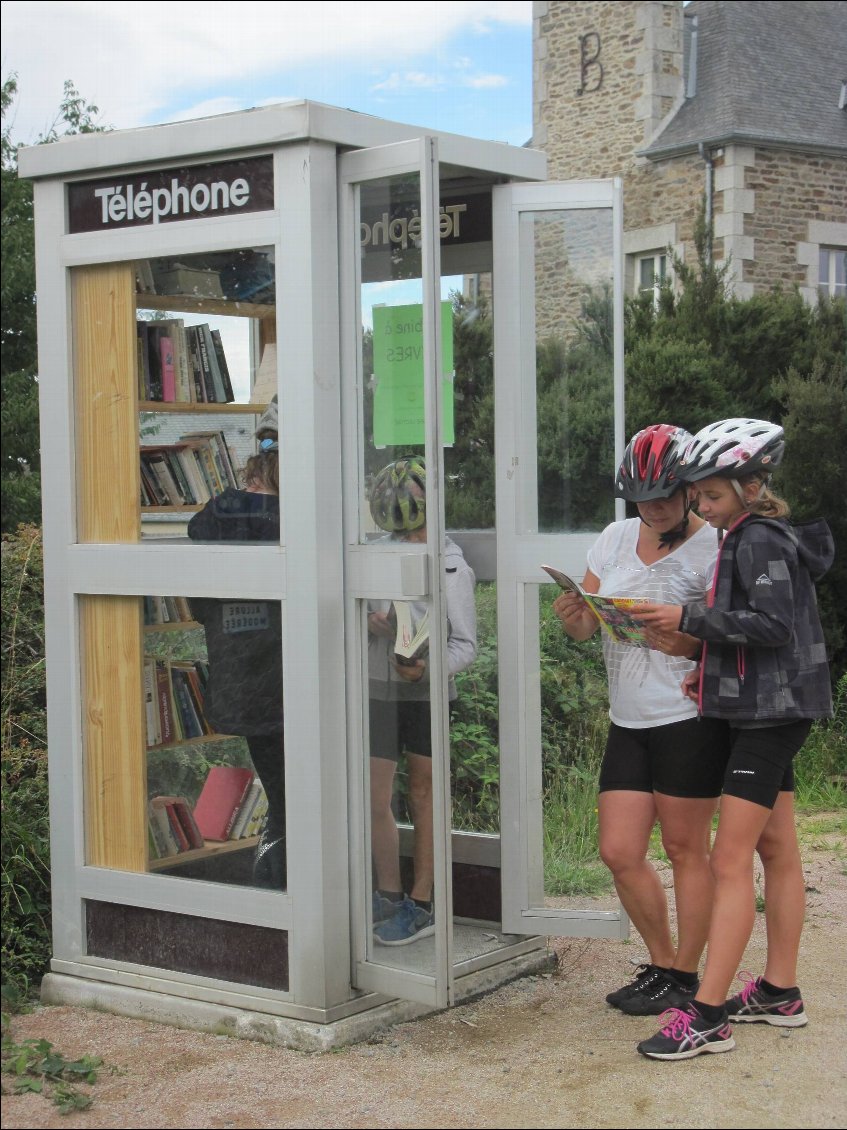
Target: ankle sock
{"x": 427, "y": 906}
{"x": 395, "y": 896}
{"x": 711, "y": 1012}
{"x": 688, "y": 980}
{"x": 772, "y": 990}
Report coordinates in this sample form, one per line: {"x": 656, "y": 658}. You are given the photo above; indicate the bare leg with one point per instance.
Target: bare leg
{"x": 626, "y": 820}
{"x": 385, "y": 839}
{"x": 740, "y": 827}
{"x": 785, "y": 892}
{"x": 686, "y": 828}
{"x": 420, "y": 799}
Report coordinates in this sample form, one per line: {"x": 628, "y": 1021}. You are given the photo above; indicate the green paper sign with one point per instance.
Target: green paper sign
{"x": 398, "y": 373}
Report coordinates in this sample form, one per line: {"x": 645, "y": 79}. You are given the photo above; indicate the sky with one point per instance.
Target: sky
{"x": 458, "y": 67}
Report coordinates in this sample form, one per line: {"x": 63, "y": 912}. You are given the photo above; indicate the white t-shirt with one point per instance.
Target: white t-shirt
{"x": 644, "y": 685}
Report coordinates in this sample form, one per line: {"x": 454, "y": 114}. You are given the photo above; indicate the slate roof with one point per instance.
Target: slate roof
{"x": 766, "y": 72}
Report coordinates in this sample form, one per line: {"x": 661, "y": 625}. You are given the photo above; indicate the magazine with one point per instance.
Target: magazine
{"x": 613, "y": 612}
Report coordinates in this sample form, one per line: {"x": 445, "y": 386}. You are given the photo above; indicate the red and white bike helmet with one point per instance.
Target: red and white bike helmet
{"x": 732, "y": 449}
{"x": 649, "y": 468}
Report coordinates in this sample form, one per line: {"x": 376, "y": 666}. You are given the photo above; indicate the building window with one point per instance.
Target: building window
{"x": 832, "y": 273}
{"x": 650, "y": 274}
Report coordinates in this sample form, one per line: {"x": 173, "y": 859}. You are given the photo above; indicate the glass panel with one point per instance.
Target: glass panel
{"x": 205, "y": 369}
{"x": 214, "y": 734}
{"x": 572, "y": 254}
{"x": 398, "y": 761}
{"x": 574, "y": 722}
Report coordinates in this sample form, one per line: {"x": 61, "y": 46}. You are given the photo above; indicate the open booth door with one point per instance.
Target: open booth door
{"x": 558, "y": 334}
{"x": 390, "y": 273}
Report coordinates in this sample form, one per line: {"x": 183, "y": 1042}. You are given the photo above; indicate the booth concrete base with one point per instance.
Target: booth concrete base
{"x": 281, "y": 1031}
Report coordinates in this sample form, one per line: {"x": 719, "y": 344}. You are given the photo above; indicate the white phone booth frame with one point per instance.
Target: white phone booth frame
{"x": 335, "y": 988}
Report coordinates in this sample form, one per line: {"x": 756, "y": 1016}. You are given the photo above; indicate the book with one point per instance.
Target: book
{"x": 246, "y": 810}
{"x": 166, "y": 357}
{"x": 613, "y": 612}
{"x": 160, "y": 825}
{"x": 412, "y": 639}
{"x": 218, "y": 347}
{"x": 222, "y": 795}
{"x": 179, "y": 811}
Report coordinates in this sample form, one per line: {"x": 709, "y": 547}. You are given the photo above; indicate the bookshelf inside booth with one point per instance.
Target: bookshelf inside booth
{"x": 205, "y": 368}
{"x": 206, "y": 804}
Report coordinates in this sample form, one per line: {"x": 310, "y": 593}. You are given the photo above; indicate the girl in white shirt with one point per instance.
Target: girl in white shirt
{"x": 661, "y": 760}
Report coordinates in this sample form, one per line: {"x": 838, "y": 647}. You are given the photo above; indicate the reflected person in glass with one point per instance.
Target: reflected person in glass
{"x": 661, "y": 761}
{"x": 400, "y": 708}
{"x": 244, "y": 642}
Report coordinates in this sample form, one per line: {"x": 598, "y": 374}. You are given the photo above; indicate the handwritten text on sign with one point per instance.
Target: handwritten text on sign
{"x": 399, "y": 374}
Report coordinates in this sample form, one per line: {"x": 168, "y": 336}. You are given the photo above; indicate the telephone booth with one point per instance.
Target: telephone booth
{"x": 400, "y": 292}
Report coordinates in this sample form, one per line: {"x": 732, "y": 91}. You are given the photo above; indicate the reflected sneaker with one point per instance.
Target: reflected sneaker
{"x": 382, "y": 907}
{"x": 753, "y": 1003}
{"x": 686, "y": 1033}
{"x": 663, "y": 993}
{"x": 647, "y": 975}
{"x": 407, "y": 925}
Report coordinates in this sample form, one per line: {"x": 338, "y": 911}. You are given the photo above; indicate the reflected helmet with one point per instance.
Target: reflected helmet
{"x": 395, "y": 505}
{"x": 650, "y": 465}
{"x": 267, "y": 430}
{"x": 732, "y": 449}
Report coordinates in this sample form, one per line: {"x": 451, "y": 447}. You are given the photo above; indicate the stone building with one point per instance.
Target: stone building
{"x": 742, "y": 104}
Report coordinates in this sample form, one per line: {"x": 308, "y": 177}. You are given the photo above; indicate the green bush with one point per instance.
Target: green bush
{"x": 25, "y": 832}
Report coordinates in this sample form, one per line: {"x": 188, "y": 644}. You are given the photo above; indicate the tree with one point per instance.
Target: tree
{"x": 20, "y": 465}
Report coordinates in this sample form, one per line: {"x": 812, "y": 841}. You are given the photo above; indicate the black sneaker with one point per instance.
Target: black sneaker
{"x": 666, "y": 992}
{"x": 647, "y": 975}
{"x": 753, "y": 1003}
{"x": 686, "y": 1033}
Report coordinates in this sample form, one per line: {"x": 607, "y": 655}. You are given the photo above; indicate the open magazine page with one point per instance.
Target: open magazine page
{"x": 613, "y": 612}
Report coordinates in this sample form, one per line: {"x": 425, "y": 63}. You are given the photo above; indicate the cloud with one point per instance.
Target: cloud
{"x": 486, "y": 82}
{"x": 411, "y": 80}
{"x": 138, "y": 61}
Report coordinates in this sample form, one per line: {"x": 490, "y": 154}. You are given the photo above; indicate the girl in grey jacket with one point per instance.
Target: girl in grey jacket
{"x": 763, "y": 667}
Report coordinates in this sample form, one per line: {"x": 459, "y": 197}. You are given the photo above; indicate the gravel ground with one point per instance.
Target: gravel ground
{"x": 542, "y": 1052}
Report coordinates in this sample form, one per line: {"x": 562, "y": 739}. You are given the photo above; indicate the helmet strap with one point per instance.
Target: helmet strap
{"x": 676, "y": 534}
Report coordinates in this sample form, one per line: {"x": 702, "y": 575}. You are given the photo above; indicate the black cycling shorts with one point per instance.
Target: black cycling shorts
{"x": 400, "y": 727}
{"x": 759, "y": 766}
{"x": 681, "y": 759}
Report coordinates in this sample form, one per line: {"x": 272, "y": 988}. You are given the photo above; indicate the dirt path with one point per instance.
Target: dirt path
{"x": 541, "y": 1052}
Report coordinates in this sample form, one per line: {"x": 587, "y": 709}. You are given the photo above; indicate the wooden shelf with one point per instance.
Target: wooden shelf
{"x": 173, "y": 626}
{"x": 212, "y": 848}
{"x": 192, "y": 509}
{"x": 186, "y": 407}
{"x": 190, "y": 304}
{"x": 191, "y": 741}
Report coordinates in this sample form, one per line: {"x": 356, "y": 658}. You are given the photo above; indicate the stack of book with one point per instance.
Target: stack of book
{"x": 171, "y": 827}
{"x": 232, "y": 804}
{"x": 181, "y": 364}
{"x": 187, "y": 473}
{"x": 173, "y": 695}
{"x": 166, "y": 610}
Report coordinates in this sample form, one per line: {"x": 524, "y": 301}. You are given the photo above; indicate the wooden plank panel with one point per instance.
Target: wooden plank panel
{"x": 114, "y": 732}
{"x": 107, "y": 406}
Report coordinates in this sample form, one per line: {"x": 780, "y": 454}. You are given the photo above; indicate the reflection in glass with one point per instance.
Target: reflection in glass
{"x": 215, "y": 754}
{"x": 572, "y": 252}
{"x": 574, "y": 722}
{"x": 205, "y": 369}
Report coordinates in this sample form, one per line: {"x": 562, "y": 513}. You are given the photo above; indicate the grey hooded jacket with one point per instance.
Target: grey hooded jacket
{"x": 764, "y": 658}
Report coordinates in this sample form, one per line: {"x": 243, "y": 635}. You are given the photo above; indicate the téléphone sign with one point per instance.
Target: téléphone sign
{"x": 170, "y": 195}
{"x": 387, "y": 233}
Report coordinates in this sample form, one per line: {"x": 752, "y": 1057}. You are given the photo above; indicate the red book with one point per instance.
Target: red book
{"x": 166, "y": 351}
{"x": 218, "y": 803}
